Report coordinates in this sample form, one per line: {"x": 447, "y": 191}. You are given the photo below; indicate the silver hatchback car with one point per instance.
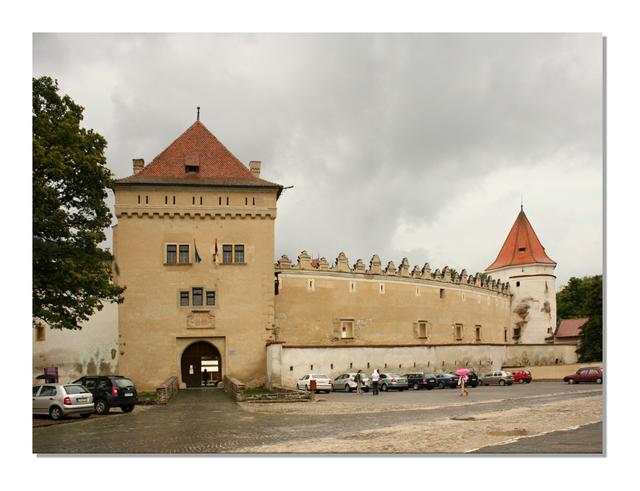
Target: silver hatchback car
{"x": 58, "y": 400}
{"x": 499, "y": 377}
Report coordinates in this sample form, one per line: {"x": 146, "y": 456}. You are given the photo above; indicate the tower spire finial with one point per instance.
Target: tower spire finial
{"x": 521, "y": 204}
{"x": 198, "y": 114}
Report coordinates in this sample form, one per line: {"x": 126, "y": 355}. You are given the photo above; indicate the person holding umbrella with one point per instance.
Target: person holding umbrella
{"x": 463, "y": 374}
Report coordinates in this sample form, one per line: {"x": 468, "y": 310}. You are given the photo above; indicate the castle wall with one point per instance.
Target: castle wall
{"x": 386, "y": 307}
{"x": 93, "y": 350}
{"x": 154, "y": 328}
{"x": 290, "y": 363}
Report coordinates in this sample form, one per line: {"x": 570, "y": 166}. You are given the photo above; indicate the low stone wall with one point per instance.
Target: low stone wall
{"x": 166, "y": 390}
{"x": 284, "y": 396}
{"x": 287, "y": 364}
{"x": 235, "y": 388}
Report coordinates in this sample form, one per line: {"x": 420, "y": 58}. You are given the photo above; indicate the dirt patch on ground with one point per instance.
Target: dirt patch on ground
{"x": 453, "y": 436}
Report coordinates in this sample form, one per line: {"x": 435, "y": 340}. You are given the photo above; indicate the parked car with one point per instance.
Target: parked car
{"x": 499, "y": 377}
{"x": 447, "y": 380}
{"x": 347, "y": 382}
{"x": 111, "y": 391}
{"x": 59, "y": 400}
{"x": 421, "y": 380}
{"x": 390, "y": 381}
{"x": 323, "y": 383}
{"x": 521, "y": 376}
{"x": 586, "y": 374}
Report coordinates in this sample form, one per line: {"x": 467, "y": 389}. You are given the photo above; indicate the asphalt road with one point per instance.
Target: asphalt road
{"x": 584, "y": 440}
{"x": 208, "y": 421}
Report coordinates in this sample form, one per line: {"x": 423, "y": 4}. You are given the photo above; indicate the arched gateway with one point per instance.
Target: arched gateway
{"x": 197, "y": 358}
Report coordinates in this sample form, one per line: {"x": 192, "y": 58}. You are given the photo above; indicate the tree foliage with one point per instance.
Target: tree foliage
{"x": 582, "y": 297}
{"x": 71, "y": 273}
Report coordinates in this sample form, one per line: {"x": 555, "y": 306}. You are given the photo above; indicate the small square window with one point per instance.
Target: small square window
{"x": 478, "y": 328}
{"x": 458, "y": 332}
{"x": 40, "y": 333}
{"x": 184, "y": 299}
{"x": 423, "y": 331}
{"x": 211, "y": 298}
{"x": 346, "y": 329}
{"x": 197, "y": 296}
{"x": 441, "y": 292}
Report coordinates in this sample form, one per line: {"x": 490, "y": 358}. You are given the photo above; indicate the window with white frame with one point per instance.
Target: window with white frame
{"x": 346, "y": 328}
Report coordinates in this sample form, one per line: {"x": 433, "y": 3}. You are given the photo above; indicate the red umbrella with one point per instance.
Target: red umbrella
{"x": 462, "y": 371}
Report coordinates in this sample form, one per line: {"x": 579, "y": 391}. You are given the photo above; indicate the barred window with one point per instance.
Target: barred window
{"x": 184, "y": 253}
{"x": 196, "y": 294}
{"x": 171, "y": 254}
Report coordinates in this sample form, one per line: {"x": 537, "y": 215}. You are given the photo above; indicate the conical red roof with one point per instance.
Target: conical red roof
{"x": 521, "y": 247}
{"x": 199, "y": 147}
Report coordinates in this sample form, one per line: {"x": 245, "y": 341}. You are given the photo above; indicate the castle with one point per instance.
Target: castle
{"x": 194, "y": 247}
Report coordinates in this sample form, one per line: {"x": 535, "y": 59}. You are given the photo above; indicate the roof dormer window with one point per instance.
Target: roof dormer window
{"x": 522, "y": 249}
{"x": 191, "y": 169}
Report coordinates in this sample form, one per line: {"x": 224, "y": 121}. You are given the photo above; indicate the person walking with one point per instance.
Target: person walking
{"x": 359, "y": 382}
{"x": 461, "y": 382}
{"x": 375, "y": 378}
{"x": 205, "y": 377}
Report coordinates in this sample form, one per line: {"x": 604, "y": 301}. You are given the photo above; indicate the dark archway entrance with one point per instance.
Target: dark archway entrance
{"x": 197, "y": 358}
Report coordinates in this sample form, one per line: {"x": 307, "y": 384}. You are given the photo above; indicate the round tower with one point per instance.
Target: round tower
{"x": 523, "y": 263}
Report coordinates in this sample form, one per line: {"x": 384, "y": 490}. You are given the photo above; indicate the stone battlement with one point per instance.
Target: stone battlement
{"x": 425, "y": 274}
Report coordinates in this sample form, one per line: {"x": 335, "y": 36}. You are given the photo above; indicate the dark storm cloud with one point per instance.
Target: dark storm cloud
{"x": 402, "y": 145}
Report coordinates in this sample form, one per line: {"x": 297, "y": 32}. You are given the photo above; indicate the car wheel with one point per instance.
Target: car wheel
{"x": 429, "y": 388}
{"x": 306, "y": 388}
{"x": 598, "y": 381}
{"x": 85, "y": 415}
{"x": 480, "y": 382}
{"x": 366, "y": 389}
{"x": 441, "y": 385}
{"x": 102, "y": 407}
{"x": 416, "y": 386}
{"x": 56, "y": 413}
{"x": 521, "y": 381}
{"x": 502, "y": 382}
{"x": 383, "y": 387}
{"x": 128, "y": 408}
{"x": 347, "y": 388}
{"x": 571, "y": 381}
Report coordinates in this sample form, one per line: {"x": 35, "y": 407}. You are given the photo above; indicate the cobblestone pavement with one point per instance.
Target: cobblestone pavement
{"x": 208, "y": 421}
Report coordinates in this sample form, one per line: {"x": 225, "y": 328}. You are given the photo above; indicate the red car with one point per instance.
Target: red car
{"x": 521, "y": 376}
{"x": 587, "y": 374}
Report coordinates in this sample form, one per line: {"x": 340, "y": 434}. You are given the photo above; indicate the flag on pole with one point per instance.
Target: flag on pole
{"x": 198, "y": 258}
{"x": 215, "y": 252}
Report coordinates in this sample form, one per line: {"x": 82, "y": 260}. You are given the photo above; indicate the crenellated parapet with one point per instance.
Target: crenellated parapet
{"x": 404, "y": 272}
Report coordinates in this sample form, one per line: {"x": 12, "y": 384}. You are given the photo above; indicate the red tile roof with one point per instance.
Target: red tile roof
{"x": 521, "y": 247}
{"x": 571, "y": 327}
{"x": 199, "y": 147}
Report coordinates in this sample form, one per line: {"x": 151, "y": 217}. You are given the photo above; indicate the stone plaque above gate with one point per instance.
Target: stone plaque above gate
{"x": 201, "y": 320}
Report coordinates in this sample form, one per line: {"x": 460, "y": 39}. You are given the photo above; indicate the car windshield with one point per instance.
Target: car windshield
{"x": 429, "y": 375}
{"x": 123, "y": 382}
{"x": 75, "y": 389}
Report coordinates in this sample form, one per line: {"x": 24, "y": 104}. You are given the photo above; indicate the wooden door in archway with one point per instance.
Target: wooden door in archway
{"x": 201, "y": 365}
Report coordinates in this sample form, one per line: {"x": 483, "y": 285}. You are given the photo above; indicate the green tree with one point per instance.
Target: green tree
{"x": 71, "y": 273}
{"x": 582, "y": 297}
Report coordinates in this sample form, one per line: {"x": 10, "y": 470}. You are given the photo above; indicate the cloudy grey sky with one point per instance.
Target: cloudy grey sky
{"x": 413, "y": 145}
